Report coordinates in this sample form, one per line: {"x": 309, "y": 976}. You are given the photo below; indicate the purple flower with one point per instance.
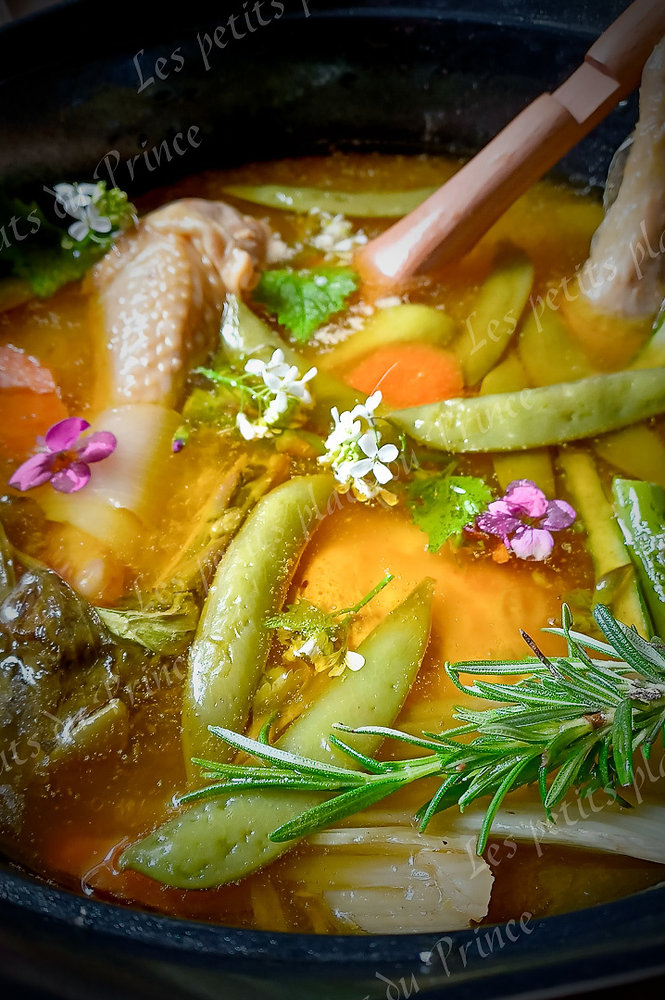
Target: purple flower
{"x": 64, "y": 458}
{"x": 525, "y": 519}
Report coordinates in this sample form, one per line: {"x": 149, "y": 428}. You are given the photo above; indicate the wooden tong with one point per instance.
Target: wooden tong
{"x": 450, "y": 221}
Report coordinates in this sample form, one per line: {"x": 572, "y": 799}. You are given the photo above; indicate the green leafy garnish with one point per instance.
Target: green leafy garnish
{"x": 444, "y": 504}
{"x": 321, "y": 636}
{"x": 570, "y": 722}
{"x": 303, "y": 300}
{"x": 159, "y": 627}
{"x": 49, "y": 257}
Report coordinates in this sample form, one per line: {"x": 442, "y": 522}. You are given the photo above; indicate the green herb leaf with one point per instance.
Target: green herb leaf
{"x": 48, "y": 257}
{"x": 304, "y": 618}
{"x": 161, "y": 629}
{"x": 304, "y": 300}
{"x": 442, "y": 505}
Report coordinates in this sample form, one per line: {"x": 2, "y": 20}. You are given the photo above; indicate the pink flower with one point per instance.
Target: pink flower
{"x": 525, "y": 519}
{"x": 64, "y": 458}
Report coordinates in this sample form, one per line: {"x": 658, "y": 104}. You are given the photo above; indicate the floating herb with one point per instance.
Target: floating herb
{"x": 322, "y": 636}
{"x": 573, "y": 722}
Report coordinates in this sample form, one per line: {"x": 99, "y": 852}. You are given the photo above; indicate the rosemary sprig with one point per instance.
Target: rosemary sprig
{"x": 569, "y": 722}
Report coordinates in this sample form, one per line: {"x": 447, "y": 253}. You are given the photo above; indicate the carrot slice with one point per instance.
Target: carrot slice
{"x": 409, "y": 374}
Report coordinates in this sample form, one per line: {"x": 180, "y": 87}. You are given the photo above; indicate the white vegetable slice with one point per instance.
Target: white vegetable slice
{"x": 394, "y": 880}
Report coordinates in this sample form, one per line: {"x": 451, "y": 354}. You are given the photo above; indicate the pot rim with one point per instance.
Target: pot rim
{"x": 632, "y": 926}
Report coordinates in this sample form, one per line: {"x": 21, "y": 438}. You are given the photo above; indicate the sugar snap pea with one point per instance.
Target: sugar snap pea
{"x": 498, "y": 309}
{"x": 616, "y": 584}
{"x": 230, "y": 648}
{"x": 404, "y": 323}
{"x": 532, "y": 418}
{"x": 361, "y": 204}
{"x": 640, "y": 511}
{"x": 638, "y": 451}
{"x": 534, "y": 464}
{"x": 220, "y": 840}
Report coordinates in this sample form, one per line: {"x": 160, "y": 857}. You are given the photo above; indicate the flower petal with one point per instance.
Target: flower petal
{"x": 71, "y": 479}
{"x": 368, "y": 444}
{"x": 382, "y": 473}
{"x": 99, "y": 445}
{"x": 354, "y": 661}
{"x": 388, "y": 453}
{"x": 65, "y": 433}
{"x": 356, "y": 470}
{"x": 525, "y": 495}
{"x": 255, "y": 366}
{"x": 373, "y": 401}
{"x": 78, "y": 230}
{"x": 559, "y": 515}
{"x": 88, "y": 190}
{"x": 250, "y": 430}
{"x": 498, "y": 519}
{"x": 34, "y": 472}
{"x": 531, "y": 543}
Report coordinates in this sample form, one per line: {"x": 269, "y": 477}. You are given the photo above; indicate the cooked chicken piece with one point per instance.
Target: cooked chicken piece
{"x": 162, "y": 290}
{"x": 625, "y": 272}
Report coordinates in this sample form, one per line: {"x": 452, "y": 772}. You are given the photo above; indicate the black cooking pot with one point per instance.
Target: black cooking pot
{"x": 83, "y": 93}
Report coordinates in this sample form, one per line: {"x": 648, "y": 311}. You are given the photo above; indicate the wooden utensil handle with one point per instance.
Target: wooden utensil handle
{"x": 451, "y": 221}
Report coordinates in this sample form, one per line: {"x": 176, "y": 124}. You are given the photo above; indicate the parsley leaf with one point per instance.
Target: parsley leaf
{"x": 442, "y": 505}
{"x": 303, "y": 300}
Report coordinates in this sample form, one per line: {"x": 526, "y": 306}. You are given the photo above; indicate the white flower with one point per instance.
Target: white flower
{"x": 346, "y": 430}
{"x": 355, "y": 454}
{"x": 250, "y": 429}
{"x": 283, "y": 382}
{"x": 89, "y": 221}
{"x": 74, "y": 197}
{"x": 282, "y": 390}
{"x": 79, "y": 201}
{"x": 308, "y": 649}
{"x": 375, "y": 456}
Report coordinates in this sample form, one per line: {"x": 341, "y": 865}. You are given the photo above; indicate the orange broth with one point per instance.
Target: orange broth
{"x": 74, "y": 824}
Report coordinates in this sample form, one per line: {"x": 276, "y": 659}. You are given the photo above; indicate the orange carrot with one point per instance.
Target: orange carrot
{"x": 29, "y": 402}
{"x": 409, "y": 374}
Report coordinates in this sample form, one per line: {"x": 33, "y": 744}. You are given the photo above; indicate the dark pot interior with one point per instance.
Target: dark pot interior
{"x": 76, "y": 102}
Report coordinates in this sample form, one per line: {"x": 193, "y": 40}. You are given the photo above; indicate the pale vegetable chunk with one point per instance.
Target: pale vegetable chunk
{"x": 394, "y": 880}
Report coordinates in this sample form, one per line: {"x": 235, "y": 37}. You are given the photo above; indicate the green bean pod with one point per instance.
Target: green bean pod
{"x": 533, "y": 418}
{"x": 637, "y": 451}
{"x": 616, "y": 583}
{"x": 406, "y": 323}
{"x": 534, "y": 464}
{"x": 498, "y": 309}
{"x": 361, "y": 204}
{"x": 221, "y": 840}
{"x": 231, "y": 646}
{"x": 652, "y": 354}
{"x": 640, "y": 511}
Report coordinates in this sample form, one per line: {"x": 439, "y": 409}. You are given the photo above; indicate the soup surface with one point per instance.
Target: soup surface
{"x": 71, "y": 817}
